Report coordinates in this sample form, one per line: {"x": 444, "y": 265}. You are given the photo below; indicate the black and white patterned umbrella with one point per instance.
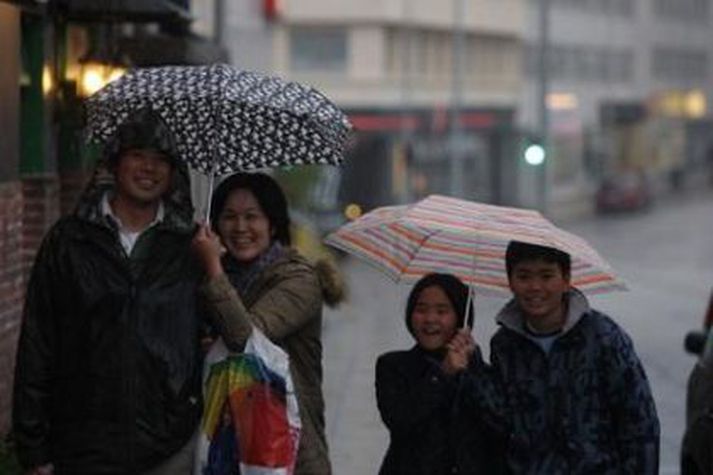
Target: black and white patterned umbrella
{"x": 224, "y": 119}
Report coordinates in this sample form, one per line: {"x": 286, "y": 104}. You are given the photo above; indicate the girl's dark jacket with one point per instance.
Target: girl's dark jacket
{"x": 585, "y": 407}
{"x": 108, "y": 366}
{"x": 432, "y": 433}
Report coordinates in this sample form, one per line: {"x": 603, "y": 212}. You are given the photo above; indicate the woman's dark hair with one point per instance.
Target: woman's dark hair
{"x": 455, "y": 290}
{"x": 518, "y": 251}
{"x": 268, "y": 194}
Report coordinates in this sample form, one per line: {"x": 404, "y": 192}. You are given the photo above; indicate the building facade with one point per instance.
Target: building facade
{"x": 629, "y": 91}
{"x": 431, "y": 87}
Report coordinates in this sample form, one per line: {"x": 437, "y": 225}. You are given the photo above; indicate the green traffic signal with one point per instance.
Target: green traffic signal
{"x": 534, "y": 154}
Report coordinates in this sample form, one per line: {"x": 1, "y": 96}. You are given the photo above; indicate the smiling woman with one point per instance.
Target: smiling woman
{"x": 262, "y": 284}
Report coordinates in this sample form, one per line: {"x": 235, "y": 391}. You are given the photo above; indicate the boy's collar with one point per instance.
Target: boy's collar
{"x": 511, "y": 317}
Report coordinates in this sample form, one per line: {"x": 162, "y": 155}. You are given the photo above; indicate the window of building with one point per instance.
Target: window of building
{"x": 624, "y": 8}
{"x": 683, "y": 10}
{"x": 676, "y": 64}
{"x": 318, "y": 49}
{"x": 584, "y": 63}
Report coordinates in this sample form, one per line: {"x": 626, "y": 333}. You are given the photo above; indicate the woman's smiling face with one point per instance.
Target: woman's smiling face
{"x": 244, "y": 227}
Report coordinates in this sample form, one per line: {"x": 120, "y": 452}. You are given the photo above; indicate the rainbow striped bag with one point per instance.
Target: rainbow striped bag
{"x": 250, "y": 423}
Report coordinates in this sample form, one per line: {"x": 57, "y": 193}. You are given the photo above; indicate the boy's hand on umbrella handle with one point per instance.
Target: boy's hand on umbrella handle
{"x": 207, "y": 248}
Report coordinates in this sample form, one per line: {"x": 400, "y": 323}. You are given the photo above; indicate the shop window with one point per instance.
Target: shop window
{"x": 318, "y": 49}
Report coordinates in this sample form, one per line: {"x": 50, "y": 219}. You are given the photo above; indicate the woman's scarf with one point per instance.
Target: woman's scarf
{"x": 242, "y": 275}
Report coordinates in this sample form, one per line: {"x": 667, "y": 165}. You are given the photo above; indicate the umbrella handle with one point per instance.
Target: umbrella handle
{"x": 468, "y": 303}
{"x": 211, "y": 183}
{"x": 210, "y": 200}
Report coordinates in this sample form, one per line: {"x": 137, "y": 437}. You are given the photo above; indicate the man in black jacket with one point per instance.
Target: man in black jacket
{"x": 108, "y": 365}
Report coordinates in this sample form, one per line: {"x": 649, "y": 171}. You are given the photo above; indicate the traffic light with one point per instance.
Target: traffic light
{"x": 534, "y": 152}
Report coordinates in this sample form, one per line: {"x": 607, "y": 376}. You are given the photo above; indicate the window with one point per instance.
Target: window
{"x": 584, "y": 63}
{"x": 683, "y": 10}
{"x": 320, "y": 49}
{"x": 679, "y": 64}
{"x": 624, "y": 8}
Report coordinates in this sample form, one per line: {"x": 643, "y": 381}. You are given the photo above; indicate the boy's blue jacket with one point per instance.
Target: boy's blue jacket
{"x": 585, "y": 407}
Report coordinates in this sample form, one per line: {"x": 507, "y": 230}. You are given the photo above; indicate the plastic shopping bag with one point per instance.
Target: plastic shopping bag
{"x": 250, "y": 422}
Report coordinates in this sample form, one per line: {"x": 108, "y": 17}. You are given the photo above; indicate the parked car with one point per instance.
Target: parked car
{"x": 625, "y": 191}
{"x": 697, "y": 445}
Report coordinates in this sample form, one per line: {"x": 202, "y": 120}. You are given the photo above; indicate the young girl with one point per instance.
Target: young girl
{"x": 418, "y": 393}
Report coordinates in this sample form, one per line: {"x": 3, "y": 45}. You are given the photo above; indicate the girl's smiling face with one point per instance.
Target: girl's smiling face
{"x": 433, "y": 320}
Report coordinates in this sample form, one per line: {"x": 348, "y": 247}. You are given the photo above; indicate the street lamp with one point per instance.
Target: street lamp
{"x": 94, "y": 75}
{"x": 101, "y": 64}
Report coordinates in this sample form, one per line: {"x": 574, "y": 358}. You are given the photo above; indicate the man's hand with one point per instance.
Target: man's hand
{"x": 458, "y": 352}
{"x": 207, "y": 248}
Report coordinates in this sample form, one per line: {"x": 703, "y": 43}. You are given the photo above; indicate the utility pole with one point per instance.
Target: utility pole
{"x": 543, "y": 121}
{"x": 455, "y": 140}
{"x": 405, "y": 134}
{"x": 218, "y": 22}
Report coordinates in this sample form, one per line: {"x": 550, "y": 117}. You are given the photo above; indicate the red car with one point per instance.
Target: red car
{"x": 625, "y": 191}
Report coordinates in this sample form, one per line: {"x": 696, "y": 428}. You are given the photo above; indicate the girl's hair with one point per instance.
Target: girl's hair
{"x": 455, "y": 290}
{"x": 268, "y": 194}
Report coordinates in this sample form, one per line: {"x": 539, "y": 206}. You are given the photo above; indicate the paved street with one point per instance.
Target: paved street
{"x": 665, "y": 255}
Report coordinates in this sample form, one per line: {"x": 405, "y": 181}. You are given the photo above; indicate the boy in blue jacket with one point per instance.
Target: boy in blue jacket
{"x": 566, "y": 382}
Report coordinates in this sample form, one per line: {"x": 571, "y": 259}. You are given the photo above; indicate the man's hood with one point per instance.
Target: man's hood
{"x": 510, "y": 316}
{"x": 145, "y": 129}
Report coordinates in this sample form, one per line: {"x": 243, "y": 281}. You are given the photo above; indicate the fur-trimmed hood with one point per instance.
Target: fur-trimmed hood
{"x": 334, "y": 290}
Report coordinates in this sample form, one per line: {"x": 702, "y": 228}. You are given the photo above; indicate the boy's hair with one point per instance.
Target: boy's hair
{"x": 518, "y": 251}
{"x": 455, "y": 290}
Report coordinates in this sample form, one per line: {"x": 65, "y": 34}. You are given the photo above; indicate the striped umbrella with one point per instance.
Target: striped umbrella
{"x": 467, "y": 239}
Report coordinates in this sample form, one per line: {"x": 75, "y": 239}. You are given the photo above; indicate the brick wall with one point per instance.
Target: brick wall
{"x": 27, "y": 210}
{"x": 11, "y": 289}
{"x": 41, "y": 208}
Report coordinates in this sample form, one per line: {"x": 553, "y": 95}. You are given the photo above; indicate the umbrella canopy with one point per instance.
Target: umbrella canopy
{"x": 225, "y": 119}
{"x": 467, "y": 239}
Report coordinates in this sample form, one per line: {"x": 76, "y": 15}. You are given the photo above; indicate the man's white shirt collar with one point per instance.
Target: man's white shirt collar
{"x": 128, "y": 238}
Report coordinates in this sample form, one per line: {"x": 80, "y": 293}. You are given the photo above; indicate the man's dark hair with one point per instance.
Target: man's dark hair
{"x": 518, "y": 251}
{"x": 268, "y": 194}
{"x": 143, "y": 130}
{"x": 455, "y": 290}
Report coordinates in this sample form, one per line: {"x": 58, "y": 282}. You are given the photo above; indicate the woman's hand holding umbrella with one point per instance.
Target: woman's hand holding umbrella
{"x": 208, "y": 249}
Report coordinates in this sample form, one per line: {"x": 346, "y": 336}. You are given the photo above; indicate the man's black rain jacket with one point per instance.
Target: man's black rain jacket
{"x": 108, "y": 366}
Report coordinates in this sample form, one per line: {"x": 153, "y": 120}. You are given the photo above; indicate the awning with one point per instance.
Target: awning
{"x": 134, "y": 11}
